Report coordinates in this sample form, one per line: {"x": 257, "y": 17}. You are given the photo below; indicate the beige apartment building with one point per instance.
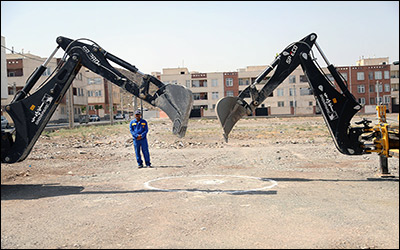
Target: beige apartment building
{"x": 19, "y": 69}
{"x": 207, "y": 88}
{"x": 291, "y": 97}
{"x": 100, "y": 93}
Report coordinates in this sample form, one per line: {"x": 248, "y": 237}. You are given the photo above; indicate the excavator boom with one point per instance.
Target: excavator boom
{"x": 31, "y": 112}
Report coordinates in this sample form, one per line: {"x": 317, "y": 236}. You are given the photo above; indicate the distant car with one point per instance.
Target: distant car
{"x": 119, "y": 117}
{"x": 94, "y": 118}
{"x": 4, "y": 122}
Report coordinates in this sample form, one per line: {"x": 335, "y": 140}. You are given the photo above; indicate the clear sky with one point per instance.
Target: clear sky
{"x": 205, "y": 36}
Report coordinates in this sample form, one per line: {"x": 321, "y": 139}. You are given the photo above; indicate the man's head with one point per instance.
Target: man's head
{"x": 138, "y": 114}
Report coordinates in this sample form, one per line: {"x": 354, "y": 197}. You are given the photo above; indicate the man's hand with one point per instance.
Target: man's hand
{"x": 139, "y": 137}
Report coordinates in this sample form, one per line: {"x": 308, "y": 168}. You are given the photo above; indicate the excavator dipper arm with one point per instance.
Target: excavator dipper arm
{"x": 31, "y": 112}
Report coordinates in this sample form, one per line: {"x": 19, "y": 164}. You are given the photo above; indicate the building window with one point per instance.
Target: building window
{"x": 200, "y": 96}
{"x": 387, "y": 87}
{"x": 214, "y": 82}
{"x": 371, "y": 101}
{"x": 281, "y": 104}
{"x": 371, "y": 75}
{"x": 243, "y": 81}
{"x": 310, "y": 103}
{"x": 199, "y": 83}
{"x": 303, "y": 78}
{"x": 386, "y": 74}
{"x": 229, "y": 82}
{"x": 371, "y": 88}
{"x": 187, "y": 83}
{"x": 360, "y": 76}
{"x": 305, "y": 91}
{"x": 360, "y": 89}
{"x": 378, "y": 75}
{"x": 386, "y": 99}
{"x": 229, "y": 93}
{"x": 214, "y": 95}
{"x": 292, "y": 91}
{"x": 279, "y": 92}
{"x": 11, "y": 91}
{"x": 361, "y": 100}
{"x": 293, "y": 103}
{"x": 94, "y": 80}
{"x": 292, "y": 79}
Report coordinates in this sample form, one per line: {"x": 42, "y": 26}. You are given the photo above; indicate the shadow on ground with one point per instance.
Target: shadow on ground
{"x": 31, "y": 192}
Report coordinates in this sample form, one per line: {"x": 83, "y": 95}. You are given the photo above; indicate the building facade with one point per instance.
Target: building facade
{"x": 207, "y": 88}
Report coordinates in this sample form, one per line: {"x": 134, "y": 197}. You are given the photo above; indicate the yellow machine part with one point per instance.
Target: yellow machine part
{"x": 387, "y": 139}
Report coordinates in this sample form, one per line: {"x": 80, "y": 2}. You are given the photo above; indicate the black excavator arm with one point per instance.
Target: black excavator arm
{"x": 337, "y": 107}
{"x": 31, "y": 112}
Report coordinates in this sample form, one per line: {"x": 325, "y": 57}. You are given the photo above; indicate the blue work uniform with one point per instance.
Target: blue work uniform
{"x": 140, "y": 128}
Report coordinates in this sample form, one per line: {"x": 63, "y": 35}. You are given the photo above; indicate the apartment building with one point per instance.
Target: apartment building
{"x": 100, "y": 94}
{"x": 207, "y": 88}
{"x": 19, "y": 69}
{"x": 292, "y": 97}
{"x": 370, "y": 82}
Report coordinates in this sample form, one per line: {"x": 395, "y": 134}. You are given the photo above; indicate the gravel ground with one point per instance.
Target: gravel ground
{"x": 277, "y": 183}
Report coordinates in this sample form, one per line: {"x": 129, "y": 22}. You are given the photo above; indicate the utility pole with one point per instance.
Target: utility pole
{"x": 70, "y": 107}
{"x": 111, "y": 106}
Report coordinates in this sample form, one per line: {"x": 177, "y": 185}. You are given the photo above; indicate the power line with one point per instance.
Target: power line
{"x": 24, "y": 55}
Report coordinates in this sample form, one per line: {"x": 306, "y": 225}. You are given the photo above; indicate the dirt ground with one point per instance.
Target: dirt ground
{"x": 277, "y": 183}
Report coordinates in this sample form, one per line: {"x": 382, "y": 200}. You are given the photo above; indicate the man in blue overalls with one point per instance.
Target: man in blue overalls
{"x": 139, "y": 129}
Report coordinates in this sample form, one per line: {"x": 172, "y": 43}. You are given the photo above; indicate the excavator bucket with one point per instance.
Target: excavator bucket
{"x": 176, "y": 102}
{"x": 229, "y": 110}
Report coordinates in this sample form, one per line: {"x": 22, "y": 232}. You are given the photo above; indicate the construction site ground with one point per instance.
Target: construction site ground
{"x": 279, "y": 182}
